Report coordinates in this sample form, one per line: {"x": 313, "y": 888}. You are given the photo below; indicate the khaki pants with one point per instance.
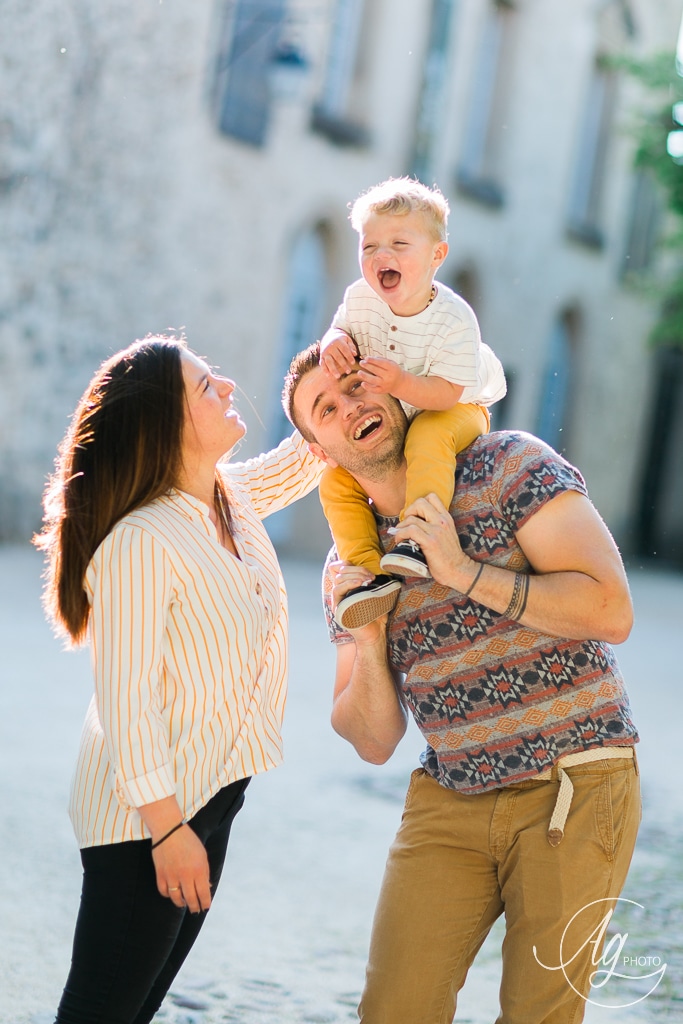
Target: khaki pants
{"x": 459, "y": 862}
{"x": 432, "y": 442}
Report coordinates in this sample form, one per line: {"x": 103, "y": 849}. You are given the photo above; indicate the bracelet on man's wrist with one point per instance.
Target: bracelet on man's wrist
{"x": 520, "y": 593}
{"x": 466, "y": 593}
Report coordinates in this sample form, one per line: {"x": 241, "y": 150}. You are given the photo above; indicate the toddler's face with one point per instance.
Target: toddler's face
{"x": 399, "y": 256}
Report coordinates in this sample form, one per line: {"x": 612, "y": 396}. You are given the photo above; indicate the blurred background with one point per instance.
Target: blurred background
{"x": 189, "y": 165}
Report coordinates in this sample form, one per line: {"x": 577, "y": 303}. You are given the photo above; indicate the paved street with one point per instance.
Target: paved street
{"x": 286, "y": 940}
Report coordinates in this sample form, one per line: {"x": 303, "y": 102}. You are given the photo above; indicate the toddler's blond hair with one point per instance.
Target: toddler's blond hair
{"x": 403, "y": 196}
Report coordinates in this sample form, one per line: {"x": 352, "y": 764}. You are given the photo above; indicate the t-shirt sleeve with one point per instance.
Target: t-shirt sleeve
{"x": 530, "y": 479}
{"x": 336, "y": 633}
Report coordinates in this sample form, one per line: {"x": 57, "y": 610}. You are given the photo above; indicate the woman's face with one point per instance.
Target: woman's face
{"x": 211, "y": 426}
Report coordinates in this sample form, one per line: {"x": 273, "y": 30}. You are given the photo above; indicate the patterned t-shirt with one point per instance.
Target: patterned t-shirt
{"x": 497, "y": 702}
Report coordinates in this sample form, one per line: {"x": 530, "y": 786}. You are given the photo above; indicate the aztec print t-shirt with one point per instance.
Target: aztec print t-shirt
{"x": 497, "y": 702}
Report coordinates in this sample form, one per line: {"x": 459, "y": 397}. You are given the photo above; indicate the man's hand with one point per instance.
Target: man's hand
{"x": 381, "y": 376}
{"x": 347, "y": 577}
{"x": 431, "y": 525}
{"x": 578, "y": 587}
{"x": 338, "y": 353}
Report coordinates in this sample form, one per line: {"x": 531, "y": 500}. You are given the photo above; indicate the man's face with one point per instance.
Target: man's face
{"x": 360, "y": 432}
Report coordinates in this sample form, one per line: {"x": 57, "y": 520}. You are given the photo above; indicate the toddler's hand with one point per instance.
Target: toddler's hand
{"x": 338, "y": 353}
{"x": 381, "y": 376}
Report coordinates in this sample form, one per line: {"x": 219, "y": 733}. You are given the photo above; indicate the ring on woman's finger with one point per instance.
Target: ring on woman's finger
{"x": 173, "y": 888}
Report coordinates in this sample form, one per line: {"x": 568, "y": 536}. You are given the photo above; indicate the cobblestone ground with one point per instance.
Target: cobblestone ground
{"x": 286, "y": 940}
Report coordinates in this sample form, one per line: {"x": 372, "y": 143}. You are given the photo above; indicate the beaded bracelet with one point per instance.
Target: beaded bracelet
{"x": 164, "y": 838}
{"x": 520, "y": 593}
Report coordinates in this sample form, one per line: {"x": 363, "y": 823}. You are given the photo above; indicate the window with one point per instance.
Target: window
{"x": 428, "y": 128}
{"x": 643, "y": 225}
{"x": 554, "y": 412}
{"x": 332, "y": 115}
{"x": 249, "y": 37}
{"x": 302, "y": 323}
{"x": 485, "y": 128}
{"x": 585, "y": 205}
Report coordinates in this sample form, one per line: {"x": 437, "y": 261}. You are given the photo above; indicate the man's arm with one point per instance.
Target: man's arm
{"x": 367, "y": 710}
{"x": 580, "y": 590}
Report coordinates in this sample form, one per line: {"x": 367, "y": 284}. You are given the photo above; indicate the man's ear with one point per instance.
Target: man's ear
{"x": 440, "y": 254}
{"x": 315, "y": 449}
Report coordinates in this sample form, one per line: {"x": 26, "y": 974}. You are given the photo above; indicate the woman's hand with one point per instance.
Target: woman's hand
{"x": 182, "y": 869}
{"x": 180, "y": 862}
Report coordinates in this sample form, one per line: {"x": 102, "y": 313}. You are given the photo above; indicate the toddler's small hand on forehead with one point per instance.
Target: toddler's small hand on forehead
{"x": 338, "y": 355}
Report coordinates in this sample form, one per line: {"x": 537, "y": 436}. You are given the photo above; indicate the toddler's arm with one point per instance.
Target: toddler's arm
{"x": 384, "y": 376}
{"x": 338, "y": 352}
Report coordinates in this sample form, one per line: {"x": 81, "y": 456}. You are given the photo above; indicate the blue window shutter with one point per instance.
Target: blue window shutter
{"x": 242, "y": 99}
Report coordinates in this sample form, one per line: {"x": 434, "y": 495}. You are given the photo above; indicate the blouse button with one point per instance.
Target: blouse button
{"x": 258, "y": 589}
{"x": 392, "y": 348}
{"x": 394, "y": 327}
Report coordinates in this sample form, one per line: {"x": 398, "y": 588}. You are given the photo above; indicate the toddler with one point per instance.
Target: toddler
{"x": 418, "y": 341}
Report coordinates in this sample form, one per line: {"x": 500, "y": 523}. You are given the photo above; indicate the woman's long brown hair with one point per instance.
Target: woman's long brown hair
{"x": 121, "y": 451}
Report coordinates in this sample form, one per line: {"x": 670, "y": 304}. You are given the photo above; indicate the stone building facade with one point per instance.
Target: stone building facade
{"x": 187, "y": 166}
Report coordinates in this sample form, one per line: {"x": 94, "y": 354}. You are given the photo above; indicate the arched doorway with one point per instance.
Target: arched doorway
{"x": 659, "y": 532}
{"x": 553, "y": 420}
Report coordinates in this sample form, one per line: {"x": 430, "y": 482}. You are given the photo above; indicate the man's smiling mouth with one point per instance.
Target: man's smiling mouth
{"x": 366, "y": 427}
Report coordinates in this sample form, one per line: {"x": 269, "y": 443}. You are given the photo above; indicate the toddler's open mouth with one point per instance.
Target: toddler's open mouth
{"x": 388, "y": 278}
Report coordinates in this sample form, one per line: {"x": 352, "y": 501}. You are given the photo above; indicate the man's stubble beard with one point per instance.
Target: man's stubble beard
{"x": 380, "y": 463}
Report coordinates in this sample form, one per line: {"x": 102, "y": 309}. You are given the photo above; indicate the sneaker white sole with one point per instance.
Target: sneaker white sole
{"x": 360, "y": 609}
{"x": 404, "y": 566}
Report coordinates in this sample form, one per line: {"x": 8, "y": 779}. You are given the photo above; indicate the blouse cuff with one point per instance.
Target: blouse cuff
{"x": 145, "y": 789}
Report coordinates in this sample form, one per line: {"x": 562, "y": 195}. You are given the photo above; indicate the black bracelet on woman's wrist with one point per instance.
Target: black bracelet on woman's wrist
{"x": 164, "y": 838}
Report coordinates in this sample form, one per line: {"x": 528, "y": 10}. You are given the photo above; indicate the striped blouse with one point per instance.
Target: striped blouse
{"x": 189, "y": 651}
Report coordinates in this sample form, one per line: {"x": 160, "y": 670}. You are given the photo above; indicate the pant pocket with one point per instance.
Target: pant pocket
{"x": 614, "y": 807}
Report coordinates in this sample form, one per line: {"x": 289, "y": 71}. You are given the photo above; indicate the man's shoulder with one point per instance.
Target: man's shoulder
{"x": 513, "y": 463}
{"x": 508, "y": 443}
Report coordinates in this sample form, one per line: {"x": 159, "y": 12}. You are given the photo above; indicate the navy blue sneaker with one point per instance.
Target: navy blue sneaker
{"x": 366, "y": 603}
{"x": 406, "y": 559}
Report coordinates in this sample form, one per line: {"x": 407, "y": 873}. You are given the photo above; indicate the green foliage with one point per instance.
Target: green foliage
{"x": 664, "y": 87}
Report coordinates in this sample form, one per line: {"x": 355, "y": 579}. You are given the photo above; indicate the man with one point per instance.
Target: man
{"x": 503, "y": 660}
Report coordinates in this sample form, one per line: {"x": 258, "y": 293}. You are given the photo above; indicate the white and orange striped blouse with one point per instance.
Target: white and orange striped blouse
{"x": 189, "y": 651}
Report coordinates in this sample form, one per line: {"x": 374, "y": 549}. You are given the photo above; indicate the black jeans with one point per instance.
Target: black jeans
{"x": 130, "y": 942}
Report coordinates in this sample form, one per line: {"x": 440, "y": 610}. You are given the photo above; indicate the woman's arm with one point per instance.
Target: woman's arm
{"x": 579, "y": 590}
{"x": 180, "y": 861}
{"x": 131, "y": 583}
{"x": 278, "y": 477}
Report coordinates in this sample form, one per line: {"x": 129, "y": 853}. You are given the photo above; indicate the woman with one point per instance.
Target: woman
{"x": 157, "y": 554}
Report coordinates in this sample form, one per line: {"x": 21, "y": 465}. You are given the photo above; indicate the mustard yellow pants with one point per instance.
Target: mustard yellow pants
{"x": 432, "y": 442}
{"x": 458, "y": 862}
